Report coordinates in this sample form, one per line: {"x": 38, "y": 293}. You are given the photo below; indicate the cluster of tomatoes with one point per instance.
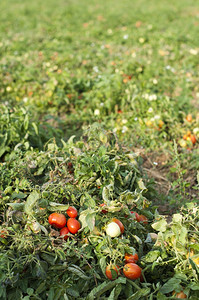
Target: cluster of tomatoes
{"x": 115, "y": 227}
{"x": 130, "y": 270}
{"x": 59, "y": 221}
{"x": 189, "y": 139}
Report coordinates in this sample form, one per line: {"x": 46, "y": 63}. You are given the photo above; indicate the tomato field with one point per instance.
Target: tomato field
{"x": 99, "y": 150}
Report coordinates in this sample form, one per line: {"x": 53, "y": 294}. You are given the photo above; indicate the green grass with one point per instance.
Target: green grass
{"x": 68, "y": 63}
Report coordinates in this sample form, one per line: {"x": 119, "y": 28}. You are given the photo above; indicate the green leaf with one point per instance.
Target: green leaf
{"x": 140, "y": 294}
{"x": 141, "y": 184}
{"x": 41, "y": 288}
{"x": 87, "y": 218}
{"x": 160, "y": 225}
{"x": 17, "y": 206}
{"x": 18, "y": 195}
{"x": 102, "y": 263}
{"x": 170, "y": 285}
{"x": 151, "y": 256}
{"x": 58, "y": 207}
{"x": 104, "y": 287}
{"x": 160, "y": 296}
{"x": 72, "y": 292}
{"x": 177, "y": 218}
{"x": 78, "y": 271}
{"x": 115, "y": 292}
{"x": 30, "y": 202}
{"x": 106, "y": 192}
{"x": 30, "y": 291}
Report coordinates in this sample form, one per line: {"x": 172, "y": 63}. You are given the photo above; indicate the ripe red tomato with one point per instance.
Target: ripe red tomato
{"x": 143, "y": 219}
{"x": 132, "y": 271}
{"x": 119, "y": 223}
{"x": 72, "y": 212}
{"x": 131, "y": 258}
{"x": 57, "y": 220}
{"x": 180, "y": 295}
{"x": 112, "y": 271}
{"x": 73, "y": 225}
{"x": 64, "y": 233}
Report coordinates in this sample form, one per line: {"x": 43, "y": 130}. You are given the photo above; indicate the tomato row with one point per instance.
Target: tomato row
{"x": 59, "y": 221}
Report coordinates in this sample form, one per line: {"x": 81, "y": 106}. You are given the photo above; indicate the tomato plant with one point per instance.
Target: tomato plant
{"x": 132, "y": 271}
{"x": 72, "y": 212}
{"x": 112, "y": 271}
{"x": 73, "y": 225}
{"x": 57, "y": 220}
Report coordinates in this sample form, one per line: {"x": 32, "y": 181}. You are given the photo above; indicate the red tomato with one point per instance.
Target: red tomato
{"x": 112, "y": 272}
{"x": 64, "y": 232}
{"x": 72, "y": 212}
{"x": 143, "y": 219}
{"x": 136, "y": 215}
{"x": 140, "y": 218}
{"x": 73, "y": 225}
{"x": 57, "y": 220}
{"x": 132, "y": 271}
{"x": 104, "y": 211}
{"x": 119, "y": 223}
{"x": 131, "y": 258}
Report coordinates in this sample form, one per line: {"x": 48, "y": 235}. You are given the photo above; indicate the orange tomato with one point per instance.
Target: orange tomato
{"x": 180, "y": 295}
{"x": 132, "y": 271}
{"x": 131, "y": 258}
{"x": 189, "y": 118}
{"x": 112, "y": 272}
{"x": 193, "y": 139}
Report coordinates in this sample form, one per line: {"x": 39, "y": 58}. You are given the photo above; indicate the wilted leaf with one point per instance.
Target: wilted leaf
{"x": 152, "y": 256}
{"x": 30, "y": 202}
{"x": 160, "y": 225}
